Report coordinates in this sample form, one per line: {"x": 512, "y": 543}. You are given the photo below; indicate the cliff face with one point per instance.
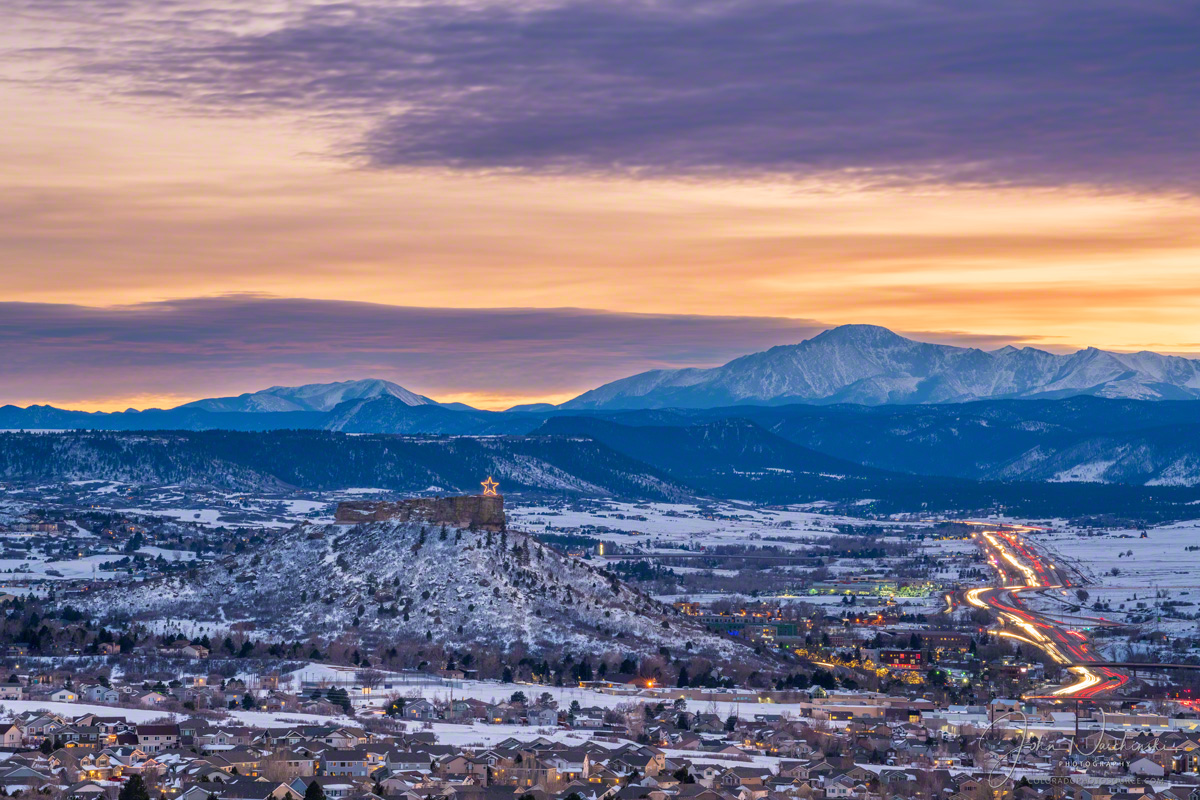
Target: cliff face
{"x": 479, "y": 512}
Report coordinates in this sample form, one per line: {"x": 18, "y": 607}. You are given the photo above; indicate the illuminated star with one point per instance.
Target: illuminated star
{"x": 489, "y": 486}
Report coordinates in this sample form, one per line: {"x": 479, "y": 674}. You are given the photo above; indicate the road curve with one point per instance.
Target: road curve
{"x": 1022, "y": 568}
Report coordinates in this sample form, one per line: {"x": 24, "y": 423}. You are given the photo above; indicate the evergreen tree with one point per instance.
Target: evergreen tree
{"x": 134, "y": 789}
{"x": 313, "y": 792}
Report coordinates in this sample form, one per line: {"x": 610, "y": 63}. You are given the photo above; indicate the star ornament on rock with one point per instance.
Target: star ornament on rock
{"x": 489, "y": 486}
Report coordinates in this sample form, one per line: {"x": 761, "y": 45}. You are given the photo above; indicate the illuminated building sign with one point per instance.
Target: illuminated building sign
{"x": 901, "y": 659}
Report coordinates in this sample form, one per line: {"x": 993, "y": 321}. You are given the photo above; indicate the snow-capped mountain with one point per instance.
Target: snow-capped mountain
{"x": 408, "y": 581}
{"x": 310, "y": 397}
{"x": 871, "y": 365}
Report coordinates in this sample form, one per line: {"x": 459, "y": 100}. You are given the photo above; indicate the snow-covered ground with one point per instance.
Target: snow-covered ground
{"x": 79, "y": 709}
{"x": 477, "y": 734}
{"x": 1161, "y": 558}
{"x": 433, "y": 688}
{"x": 75, "y": 569}
{"x": 56, "y": 568}
{"x": 679, "y": 524}
{"x": 1153, "y": 582}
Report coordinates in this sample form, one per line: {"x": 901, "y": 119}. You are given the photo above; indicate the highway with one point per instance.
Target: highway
{"x": 1022, "y": 568}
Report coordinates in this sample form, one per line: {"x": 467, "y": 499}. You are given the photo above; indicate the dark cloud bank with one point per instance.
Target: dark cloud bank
{"x": 1020, "y": 91}
{"x": 206, "y": 344}
{"x": 238, "y": 343}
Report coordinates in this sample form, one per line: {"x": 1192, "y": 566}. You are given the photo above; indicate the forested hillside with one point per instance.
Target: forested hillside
{"x": 569, "y": 457}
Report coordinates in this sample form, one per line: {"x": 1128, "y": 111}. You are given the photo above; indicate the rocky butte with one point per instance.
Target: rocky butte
{"x": 473, "y": 512}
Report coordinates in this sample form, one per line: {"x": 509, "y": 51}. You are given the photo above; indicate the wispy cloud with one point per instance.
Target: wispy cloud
{"x": 1027, "y": 92}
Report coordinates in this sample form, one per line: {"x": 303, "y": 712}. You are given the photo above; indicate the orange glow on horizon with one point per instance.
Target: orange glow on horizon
{"x": 141, "y": 402}
{"x": 252, "y": 205}
{"x": 501, "y": 401}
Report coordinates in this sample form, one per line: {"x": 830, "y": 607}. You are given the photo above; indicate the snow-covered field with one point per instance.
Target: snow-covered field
{"x": 87, "y": 567}
{"x": 676, "y": 524}
{"x": 83, "y": 568}
{"x": 477, "y": 733}
{"x": 205, "y": 507}
{"x": 1151, "y": 582}
{"x": 79, "y": 709}
{"x": 1161, "y": 558}
{"x": 432, "y": 688}
{"x": 262, "y": 718}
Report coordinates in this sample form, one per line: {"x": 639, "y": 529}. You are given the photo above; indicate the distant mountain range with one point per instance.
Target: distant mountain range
{"x": 859, "y": 364}
{"x": 310, "y": 397}
{"x": 842, "y": 408}
{"x": 1092, "y": 439}
{"x": 328, "y": 406}
{"x": 869, "y": 365}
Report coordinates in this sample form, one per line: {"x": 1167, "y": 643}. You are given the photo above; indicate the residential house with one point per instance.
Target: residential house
{"x": 10, "y": 735}
{"x": 101, "y": 694}
{"x": 420, "y": 709}
{"x": 542, "y": 717}
{"x": 334, "y": 788}
{"x": 156, "y": 738}
{"x": 1147, "y": 767}
{"x": 151, "y": 699}
{"x": 344, "y": 763}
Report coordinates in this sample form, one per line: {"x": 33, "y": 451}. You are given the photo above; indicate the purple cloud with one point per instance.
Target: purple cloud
{"x": 1024, "y": 91}
{"x": 222, "y": 345}
{"x": 236, "y": 343}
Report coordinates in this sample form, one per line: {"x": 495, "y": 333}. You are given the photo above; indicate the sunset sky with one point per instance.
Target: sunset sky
{"x": 507, "y": 202}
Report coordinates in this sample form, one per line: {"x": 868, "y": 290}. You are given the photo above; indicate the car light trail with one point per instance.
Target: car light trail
{"x": 1006, "y": 551}
{"x": 1031, "y": 578}
{"x": 1018, "y": 637}
{"x": 1088, "y": 680}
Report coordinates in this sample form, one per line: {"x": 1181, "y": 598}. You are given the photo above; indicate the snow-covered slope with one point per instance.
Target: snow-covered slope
{"x": 388, "y": 581}
{"x": 310, "y": 397}
{"x": 1155, "y": 457}
{"x": 871, "y": 365}
{"x": 323, "y": 461}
